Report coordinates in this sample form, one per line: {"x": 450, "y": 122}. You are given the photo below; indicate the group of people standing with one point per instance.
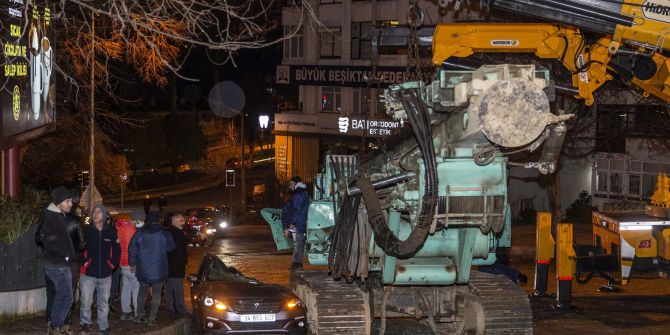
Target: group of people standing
{"x": 145, "y": 254}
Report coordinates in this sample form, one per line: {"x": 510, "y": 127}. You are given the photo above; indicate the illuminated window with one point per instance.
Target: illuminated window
{"x": 293, "y": 47}
{"x": 331, "y": 99}
{"x": 331, "y": 42}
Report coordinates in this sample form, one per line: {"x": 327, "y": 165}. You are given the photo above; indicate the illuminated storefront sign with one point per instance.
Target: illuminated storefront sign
{"x": 28, "y": 85}
{"x": 335, "y": 124}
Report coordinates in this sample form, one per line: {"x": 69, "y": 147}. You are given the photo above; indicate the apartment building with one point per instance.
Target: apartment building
{"x": 327, "y": 54}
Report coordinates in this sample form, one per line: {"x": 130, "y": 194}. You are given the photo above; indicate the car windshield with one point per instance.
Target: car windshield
{"x": 219, "y": 272}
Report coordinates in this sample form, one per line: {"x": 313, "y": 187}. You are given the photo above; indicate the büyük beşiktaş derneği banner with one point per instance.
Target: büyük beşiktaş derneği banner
{"x": 28, "y": 85}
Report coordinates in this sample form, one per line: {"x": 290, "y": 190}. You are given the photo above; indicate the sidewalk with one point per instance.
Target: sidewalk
{"x": 37, "y": 325}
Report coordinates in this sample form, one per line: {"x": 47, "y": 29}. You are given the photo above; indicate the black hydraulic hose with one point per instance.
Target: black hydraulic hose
{"x": 417, "y": 115}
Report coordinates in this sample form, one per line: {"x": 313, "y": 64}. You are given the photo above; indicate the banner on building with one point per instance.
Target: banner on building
{"x": 28, "y": 77}
{"x": 348, "y": 76}
{"x": 335, "y": 124}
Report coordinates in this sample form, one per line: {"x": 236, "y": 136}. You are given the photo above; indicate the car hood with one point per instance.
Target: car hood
{"x": 234, "y": 290}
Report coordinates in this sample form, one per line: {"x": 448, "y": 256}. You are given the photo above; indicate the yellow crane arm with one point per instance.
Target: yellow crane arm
{"x": 589, "y": 70}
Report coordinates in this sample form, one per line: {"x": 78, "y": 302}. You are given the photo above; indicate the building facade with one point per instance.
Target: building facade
{"x": 327, "y": 54}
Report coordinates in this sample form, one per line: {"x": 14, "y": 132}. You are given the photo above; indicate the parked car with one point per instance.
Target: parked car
{"x": 224, "y": 301}
{"x": 215, "y": 220}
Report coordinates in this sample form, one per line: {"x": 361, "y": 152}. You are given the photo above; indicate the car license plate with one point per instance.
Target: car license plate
{"x": 257, "y": 317}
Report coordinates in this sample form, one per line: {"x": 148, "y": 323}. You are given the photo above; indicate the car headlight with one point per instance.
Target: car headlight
{"x": 211, "y": 231}
{"x": 223, "y": 224}
{"x": 293, "y": 303}
{"x": 218, "y": 305}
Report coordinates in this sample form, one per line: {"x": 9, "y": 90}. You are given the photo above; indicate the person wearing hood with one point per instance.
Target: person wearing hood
{"x": 130, "y": 287}
{"x": 148, "y": 255}
{"x": 102, "y": 256}
{"x": 59, "y": 254}
{"x": 297, "y": 221}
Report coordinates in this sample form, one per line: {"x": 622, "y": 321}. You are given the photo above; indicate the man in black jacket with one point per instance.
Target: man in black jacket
{"x": 73, "y": 227}
{"x": 177, "y": 260}
{"x": 102, "y": 256}
{"x": 59, "y": 254}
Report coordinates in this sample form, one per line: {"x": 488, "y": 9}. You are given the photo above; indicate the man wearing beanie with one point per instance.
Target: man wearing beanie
{"x": 102, "y": 256}
{"x": 148, "y": 253}
{"x": 59, "y": 254}
{"x": 126, "y": 229}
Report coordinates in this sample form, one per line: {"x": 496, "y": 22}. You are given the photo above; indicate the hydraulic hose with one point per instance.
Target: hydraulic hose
{"x": 386, "y": 239}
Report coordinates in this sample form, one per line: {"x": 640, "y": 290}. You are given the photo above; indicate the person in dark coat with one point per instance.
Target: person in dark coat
{"x": 297, "y": 209}
{"x": 147, "y": 202}
{"x": 59, "y": 254}
{"x": 177, "y": 260}
{"x": 162, "y": 203}
{"x": 147, "y": 255}
{"x": 102, "y": 258}
{"x": 73, "y": 227}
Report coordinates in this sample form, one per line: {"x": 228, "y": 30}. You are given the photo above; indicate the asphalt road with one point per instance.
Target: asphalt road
{"x": 642, "y": 308}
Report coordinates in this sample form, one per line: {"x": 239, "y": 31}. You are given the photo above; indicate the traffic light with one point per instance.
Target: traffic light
{"x": 230, "y": 178}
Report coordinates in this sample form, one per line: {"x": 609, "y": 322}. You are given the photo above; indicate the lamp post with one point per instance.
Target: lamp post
{"x": 91, "y": 157}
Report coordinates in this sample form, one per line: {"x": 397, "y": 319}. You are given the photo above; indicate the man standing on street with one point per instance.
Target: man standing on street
{"x": 126, "y": 229}
{"x": 177, "y": 260}
{"x": 162, "y": 203}
{"x": 102, "y": 256}
{"x": 148, "y": 254}
{"x": 59, "y": 254}
{"x": 73, "y": 228}
{"x": 147, "y": 202}
{"x": 297, "y": 208}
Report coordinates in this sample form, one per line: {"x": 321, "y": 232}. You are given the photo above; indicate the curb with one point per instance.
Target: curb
{"x": 179, "y": 327}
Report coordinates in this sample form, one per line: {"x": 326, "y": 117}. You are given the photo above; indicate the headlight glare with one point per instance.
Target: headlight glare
{"x": 223, "y": 224}
{"x": 220, "y": 305}
{"x": 293, "y": 303}
{"x": 208, "y": 301}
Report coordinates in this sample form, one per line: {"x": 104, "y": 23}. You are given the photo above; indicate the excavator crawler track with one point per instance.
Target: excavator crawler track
{"x": 333, "y": 307}
{"x": 506, "y": 307}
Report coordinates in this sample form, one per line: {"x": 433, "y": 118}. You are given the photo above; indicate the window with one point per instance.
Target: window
{"x": 361, "y": 101}
{"x": 615, "y": 182}
{"x": 293, "y": 47}
{"x": 331, "y": 42}
{"x": 331, "y": 100}
{"x": 648, "y": 185}
{"x": 601, "y": 181}
{"x": 360, "y": 40}
{"x": 634, "y": 184}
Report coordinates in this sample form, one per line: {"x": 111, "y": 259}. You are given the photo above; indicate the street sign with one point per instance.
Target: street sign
{"x": 97, "y": 198}
{"x": 230, "y": 178}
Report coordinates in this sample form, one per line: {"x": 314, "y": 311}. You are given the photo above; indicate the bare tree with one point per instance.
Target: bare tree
{"x": 221, "y": 154}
